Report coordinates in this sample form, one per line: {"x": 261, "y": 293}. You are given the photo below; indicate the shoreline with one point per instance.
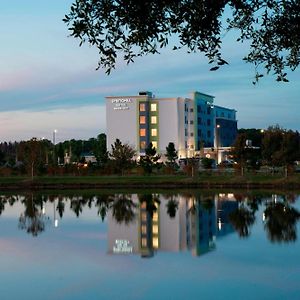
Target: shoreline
{"x": 166, "y": 182}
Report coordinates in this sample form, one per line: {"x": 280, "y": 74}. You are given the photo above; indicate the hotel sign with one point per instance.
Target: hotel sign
{"x": 121, "y": 103}
{"x": 122, "y": 246}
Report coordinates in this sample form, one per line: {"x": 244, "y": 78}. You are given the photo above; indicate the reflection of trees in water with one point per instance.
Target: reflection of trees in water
{"x": 280, "y": 218}
{"x": 242, "y": 219}
{"x": 103, "y": 203}
{"x": 32, "y": 220}
{"x": 280, "y": 222}
{"x": 123, "y": 209}
{"x": 77, "y": 204}
{"x": 4, "y": 199}
{"x": 60, "y": 208}
{"x": 172, "y": 205}
{"x": 152, "y": 201}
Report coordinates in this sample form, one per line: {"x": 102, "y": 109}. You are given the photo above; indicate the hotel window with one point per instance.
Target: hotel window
{"x": 153, "y": 107}
{"x": 208, "y": 122}
{"x": 142, "y": 132}
{"x": 155, "y": 242}
{"x": 144, "y": 242}
{"x": 144, "y": 229}
{"x": 142, "y": 107}
{"x": 144, "y": 216}
{"x": 155, "y": 229}
{"x": 153, "y": 120}
{"x": 155, "y": 216}
{"x": 142, "y": 119}
{"x": 208, "y": 133}
{"x": 199, "y": 132}
{"x": 154, "y": 144}
{"x": 153, "y": 132}
{"x": 143, "y": 145}
{"x": 192, "y": 134}
{"x": 191, "y": 122}
{"x": 191, "y": 110}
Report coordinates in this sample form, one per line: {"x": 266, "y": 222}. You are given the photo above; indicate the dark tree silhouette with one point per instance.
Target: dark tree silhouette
{"x": 123, "y": 209}
{"x": 242, "y": 219}
{"x": 280, "y": 222}
{"x": 136, "y": 28}
{"x": 32, "y": 220}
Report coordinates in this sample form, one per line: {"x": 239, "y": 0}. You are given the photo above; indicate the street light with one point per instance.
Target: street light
{"x": 54, "y": 135}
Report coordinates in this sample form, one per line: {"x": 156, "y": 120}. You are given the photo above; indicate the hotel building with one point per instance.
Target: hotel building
{"x": 191, "y": 123}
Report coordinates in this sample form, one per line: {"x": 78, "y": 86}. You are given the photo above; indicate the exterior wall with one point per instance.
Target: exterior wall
{"x": 168, "y": 123}
{"x": 121, "y": 120}
{"x": 190, "y": 123}
{"x": 226, "y": 132}
{"x": 225, "y": 126}
{"x": 204, "y": 120}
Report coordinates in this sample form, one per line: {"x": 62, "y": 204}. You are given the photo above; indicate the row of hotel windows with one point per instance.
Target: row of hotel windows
{"x": 199, "y": 121}
{"x": 153, "y": 107}
{"x": 153, "y": 119}
{"x": 143, "y": 144}
{"x": 199, "y": 133}
{"x": 143, "y": 132}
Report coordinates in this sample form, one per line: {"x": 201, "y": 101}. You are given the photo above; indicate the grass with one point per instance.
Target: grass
{"x": 161, "y": 181}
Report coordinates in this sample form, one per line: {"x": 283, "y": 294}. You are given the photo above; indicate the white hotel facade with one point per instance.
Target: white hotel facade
{"x": 191, "y": 123}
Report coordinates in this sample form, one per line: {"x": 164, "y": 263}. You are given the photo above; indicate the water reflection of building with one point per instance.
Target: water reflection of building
{"x": 201, "y": 226}
{"x": 193, "y": 228}
{"x": 226, "y": 204}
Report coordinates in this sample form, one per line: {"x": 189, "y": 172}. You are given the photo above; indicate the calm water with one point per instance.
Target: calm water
{"x": 149, "y": 246}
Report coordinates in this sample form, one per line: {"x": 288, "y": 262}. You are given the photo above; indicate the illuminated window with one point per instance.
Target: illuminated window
{"x": 142, "y": 107}
{"x": 154, "y": 144}
{"x": 155, "y": 242}
{"x": 144, "y": 216}
{"x": 155, "y": 216}
{"x": 143, "y": 145}
{"x": 153, "y": 120}
{"x": 144, "y": 242}
{"x": 154, "y": 132}
{"x": 142, "y": 120}
{"x": 144, "y": 229}
{"x": 153, "y": 107}
{"x": 155, "y": 229}
{"x": 142, "y": 132}
{"x": 143, "y": 204}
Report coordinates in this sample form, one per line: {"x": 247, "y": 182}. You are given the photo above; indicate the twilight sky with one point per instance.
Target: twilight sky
{"x": 47, "y": 82}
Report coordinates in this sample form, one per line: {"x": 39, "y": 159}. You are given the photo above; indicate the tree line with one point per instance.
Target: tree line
{"x": 253, "y": 148}
{"x": 274, "y": 147}
{"x": 280, "y": 217}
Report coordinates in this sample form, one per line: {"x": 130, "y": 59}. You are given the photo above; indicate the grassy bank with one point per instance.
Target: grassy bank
{"x": 154, "y": 181}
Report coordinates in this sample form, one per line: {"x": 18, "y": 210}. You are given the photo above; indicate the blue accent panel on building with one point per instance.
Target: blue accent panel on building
{"x": 227, "y": 132}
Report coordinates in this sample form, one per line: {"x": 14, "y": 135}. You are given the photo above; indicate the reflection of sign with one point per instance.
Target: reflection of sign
{"x": 122, "y": 246}
{"x": 121, "y": 103}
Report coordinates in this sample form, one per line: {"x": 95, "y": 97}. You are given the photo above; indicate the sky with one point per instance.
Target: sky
{"x": 48, "y": 82}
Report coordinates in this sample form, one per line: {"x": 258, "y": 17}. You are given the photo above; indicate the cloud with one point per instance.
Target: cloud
{"x": 79, "y": 122}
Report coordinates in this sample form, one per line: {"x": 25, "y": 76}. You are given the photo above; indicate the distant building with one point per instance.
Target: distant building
{"x": 191, "y": 123}
{"x": 88, "y": 157}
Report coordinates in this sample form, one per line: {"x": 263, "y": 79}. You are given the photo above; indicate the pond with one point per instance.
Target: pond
{"x": 181, "y": 245}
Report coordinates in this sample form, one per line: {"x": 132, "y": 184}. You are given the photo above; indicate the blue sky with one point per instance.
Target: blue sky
{"x": 47, "y": 82}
